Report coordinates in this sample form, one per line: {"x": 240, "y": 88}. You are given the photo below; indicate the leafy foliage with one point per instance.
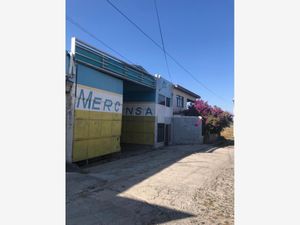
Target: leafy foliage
{"x": 214, "y": 118}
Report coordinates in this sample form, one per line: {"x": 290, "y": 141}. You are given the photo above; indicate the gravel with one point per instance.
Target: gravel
{"x": 216, "y": 199}
{"x": 213, "y": 202}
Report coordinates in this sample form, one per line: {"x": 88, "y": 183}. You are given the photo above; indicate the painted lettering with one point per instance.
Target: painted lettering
{"x": 129, "y": 111}
{"x": 117, "y": 106}
{"x": 108, "y": 103}
{"x": 85, "y": 101}
{"x": 138, "y": 111}
{"x": 148, "y": 111}
{"x": 98, "y": 102}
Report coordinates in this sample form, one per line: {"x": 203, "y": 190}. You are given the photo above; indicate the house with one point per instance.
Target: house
{"x": 182, "y": 98}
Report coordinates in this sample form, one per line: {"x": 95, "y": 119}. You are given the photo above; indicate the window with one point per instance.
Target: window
{"x": 168, "y": 102}
{"x": 161, "y": 99}
{"x": 180, "y": 101}
{"x": 189, "y": 103}
{"x": 160, "y": 132}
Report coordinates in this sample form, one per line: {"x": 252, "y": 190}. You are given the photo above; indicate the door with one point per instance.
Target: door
{"x": 168, "y": 134}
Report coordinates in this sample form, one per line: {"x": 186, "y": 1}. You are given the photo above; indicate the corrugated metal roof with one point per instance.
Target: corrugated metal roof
{"x": 105, "y": 62}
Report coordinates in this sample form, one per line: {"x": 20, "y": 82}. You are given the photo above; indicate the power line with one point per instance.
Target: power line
{"x": 133, "y": 23}
{"x": 160, "y": 47}
{"x": 162, "y": 39}
{"x": 69, "y": 19}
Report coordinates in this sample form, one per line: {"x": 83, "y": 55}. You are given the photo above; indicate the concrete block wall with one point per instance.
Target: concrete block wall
{"x": 186, "y": 130}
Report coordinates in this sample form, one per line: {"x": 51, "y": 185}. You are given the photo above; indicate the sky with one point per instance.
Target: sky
{"x": 197, "y": 33}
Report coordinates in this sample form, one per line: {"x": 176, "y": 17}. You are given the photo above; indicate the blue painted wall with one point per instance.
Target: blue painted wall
{"x": 139, "y": 97}
{"x": 137, "y": 93}
{"x": 96, "y": 79}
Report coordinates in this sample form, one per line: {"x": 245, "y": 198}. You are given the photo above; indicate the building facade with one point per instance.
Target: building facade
{"x": 110, "y": 104}
{"x": 182, "y": 98}
{"x": 163, "y": 112}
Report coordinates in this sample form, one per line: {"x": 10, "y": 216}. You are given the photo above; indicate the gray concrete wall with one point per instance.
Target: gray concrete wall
{"x": 185, "y": 130}
{"x": 70, "y": 101}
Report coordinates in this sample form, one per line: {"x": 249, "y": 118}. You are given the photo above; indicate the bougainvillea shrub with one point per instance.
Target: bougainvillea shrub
{"x": 213, "y": 117}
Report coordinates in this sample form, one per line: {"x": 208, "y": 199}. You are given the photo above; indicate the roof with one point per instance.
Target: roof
{"x": 178, "y": 87}
{"x": 104, "y": 62}
{"x": 140, "y": 68}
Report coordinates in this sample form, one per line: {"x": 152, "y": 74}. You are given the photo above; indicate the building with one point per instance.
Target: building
{"x": 182, "y": 98}
{"x": 147, "y": 114}
{"x": 110, "y": 103}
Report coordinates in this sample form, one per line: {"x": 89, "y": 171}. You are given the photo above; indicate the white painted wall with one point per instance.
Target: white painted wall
{"x": 163, "y": 114}
{"x": 139, "y": 109}
{"x": 165, "y": 88}
{"x": 184, "y": 95}
{"x": 93, "y": 99}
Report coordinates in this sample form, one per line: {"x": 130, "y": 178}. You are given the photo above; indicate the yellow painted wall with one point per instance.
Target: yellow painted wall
{"x": 138, "y": 130}
{"x": 96, "y": 134}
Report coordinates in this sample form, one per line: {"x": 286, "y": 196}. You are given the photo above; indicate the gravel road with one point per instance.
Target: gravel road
{"x": 213, "y": 202}
{"x": 175, "y": 185}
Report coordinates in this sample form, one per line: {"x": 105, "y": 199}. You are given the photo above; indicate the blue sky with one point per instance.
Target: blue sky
{"x": 198, "y": 33}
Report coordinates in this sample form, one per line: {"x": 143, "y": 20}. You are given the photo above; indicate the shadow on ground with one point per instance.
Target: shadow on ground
{"x": 93, "y": 191}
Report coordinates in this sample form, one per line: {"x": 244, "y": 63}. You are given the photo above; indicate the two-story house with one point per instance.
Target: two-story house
{"x": 182, "y": 98}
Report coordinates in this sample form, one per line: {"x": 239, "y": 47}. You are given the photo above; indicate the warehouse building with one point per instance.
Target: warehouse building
{"x": 110, "y": 103}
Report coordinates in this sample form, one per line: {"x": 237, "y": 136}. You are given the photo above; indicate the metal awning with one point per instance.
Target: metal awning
{"x": 90, "y": 56}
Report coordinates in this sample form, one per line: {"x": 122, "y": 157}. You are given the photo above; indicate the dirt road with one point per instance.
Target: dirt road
{"x": 174, "y": 185}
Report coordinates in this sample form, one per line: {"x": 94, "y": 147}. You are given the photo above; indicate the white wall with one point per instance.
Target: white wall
{"x": 163, "y": 114}
{"x": 139, "y": 109}
{"x": 184, "y": 95}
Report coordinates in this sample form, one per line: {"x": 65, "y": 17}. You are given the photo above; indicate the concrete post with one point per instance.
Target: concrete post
{"x": 70, "y": 108}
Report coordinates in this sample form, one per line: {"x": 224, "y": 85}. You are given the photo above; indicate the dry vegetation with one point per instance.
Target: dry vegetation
{"x": 227, "y": 133}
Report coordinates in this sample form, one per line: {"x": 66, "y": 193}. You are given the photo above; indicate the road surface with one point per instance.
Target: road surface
{"x": 191, "y": 184}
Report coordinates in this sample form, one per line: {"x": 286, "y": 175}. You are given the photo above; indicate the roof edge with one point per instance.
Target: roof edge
{"x": 177, "y": 86}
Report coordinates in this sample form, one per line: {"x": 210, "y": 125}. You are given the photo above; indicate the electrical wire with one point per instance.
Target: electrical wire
{"x": 69, "y": 19}
{"x": 162, "y": 40}
{"x": 160, "y": 47}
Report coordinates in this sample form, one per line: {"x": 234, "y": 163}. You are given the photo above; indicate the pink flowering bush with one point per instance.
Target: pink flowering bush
{"x": 214, "y": 118}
